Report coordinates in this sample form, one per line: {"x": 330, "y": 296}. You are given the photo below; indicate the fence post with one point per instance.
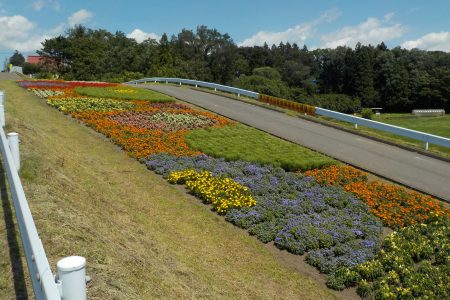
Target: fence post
{"x": 13, "y": 140}
{"x": 426, "y": 145}
{"x": 2, "y": 115}
{"x": 356, "y": 125}
{"x": 72, "y": 276}
{"x": 2, "y": 97}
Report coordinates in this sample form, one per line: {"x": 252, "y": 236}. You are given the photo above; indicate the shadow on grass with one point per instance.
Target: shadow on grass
{"x": 20, "y": 287}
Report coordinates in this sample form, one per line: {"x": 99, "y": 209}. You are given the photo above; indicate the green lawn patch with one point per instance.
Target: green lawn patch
{"x": 124, "y": 92}
{"x": 239, "y": 142}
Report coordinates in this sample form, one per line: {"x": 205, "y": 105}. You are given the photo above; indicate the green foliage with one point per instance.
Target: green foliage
{"x": 267, "y": 72}
{"x": 17, "y": 59}
{"x": 263, "y": 85}
{"x": 397, "y": 80}
{"x": 367, "y": 113}
{"x": 249, "y": 144}
{"x": 337, "y": 102}
{"x": 123, "y": 92}
{"x": 31, "y": 68}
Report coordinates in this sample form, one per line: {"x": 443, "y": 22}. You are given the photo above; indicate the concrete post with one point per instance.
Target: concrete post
{"x": 2, "y": 116}
{"x": 426, "y": 145}
{"x": 356, "y": 125}
{"x": 180, "y": 82}
{"x": 2, "y": 97}
{"x": 13, "y": 140}
{"x": 72, "y": 275}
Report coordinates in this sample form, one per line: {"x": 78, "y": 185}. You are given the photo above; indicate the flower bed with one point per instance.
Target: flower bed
{"x": 414, "y": 263}
{"x": 165, "y": 129}
{"x": 222, "y": 192}
{"x": 68, "y": 105}
{"x": 167, "y": 121}
{"x": 394, "y": 205}
{"x": 39, "y": 84}
{"x": 292, "y": 211}
{"x": 46, "y": 93}
{"x": 123, "y": 92}
{"x": 337, "y": 175}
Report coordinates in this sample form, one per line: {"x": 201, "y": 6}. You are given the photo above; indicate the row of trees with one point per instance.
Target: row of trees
{"x": 343, "y": 78}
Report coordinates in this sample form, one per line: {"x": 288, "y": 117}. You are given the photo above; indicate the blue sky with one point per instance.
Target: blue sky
{"x": 318, "y": 24}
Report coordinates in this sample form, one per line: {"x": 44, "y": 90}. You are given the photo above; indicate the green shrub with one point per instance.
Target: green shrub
{"x": 337, "y": 102}
{"x": 367, "y": 113}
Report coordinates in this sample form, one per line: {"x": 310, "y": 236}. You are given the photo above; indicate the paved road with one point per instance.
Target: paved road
{"x": 409, "y": 168}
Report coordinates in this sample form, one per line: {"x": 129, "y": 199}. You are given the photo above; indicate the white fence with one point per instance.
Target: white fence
{"x": 197, "y": 83}
{"x": 426, "y": 138}
{"x": 70, "y": 283}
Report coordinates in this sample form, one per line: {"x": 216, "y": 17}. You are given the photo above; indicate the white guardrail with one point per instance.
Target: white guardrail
{"x": 426, "y": 138}
{"x": 198, "y": 83}
{"x": 413, "y": 134}
{"x": 70, "y": 281}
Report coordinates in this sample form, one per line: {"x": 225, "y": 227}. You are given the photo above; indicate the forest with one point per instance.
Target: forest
{"x": 343, "y": 79}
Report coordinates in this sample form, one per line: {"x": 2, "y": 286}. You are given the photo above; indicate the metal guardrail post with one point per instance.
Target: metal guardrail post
{"x": 13, "y": 140}
{"x": 72, "y": 277}
{"x": 2, "y": 116}
{"x": 2, "y": 108}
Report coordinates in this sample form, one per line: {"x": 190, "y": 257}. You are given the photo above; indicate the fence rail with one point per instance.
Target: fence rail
{"x": 426, "y": 138}
{"x": 198, "y": 83}
{"x": 45, "y": 286}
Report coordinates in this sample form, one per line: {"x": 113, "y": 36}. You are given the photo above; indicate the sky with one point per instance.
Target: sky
{"x": 316, "y": 24}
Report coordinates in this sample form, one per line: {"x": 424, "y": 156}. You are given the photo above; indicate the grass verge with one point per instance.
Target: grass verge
{"x": 239, "y": 142}
{"x": 142, "y": 237}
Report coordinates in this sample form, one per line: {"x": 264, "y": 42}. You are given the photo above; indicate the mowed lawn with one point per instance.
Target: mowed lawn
{"x": 434, "y": 125}
{"x": 143, "y": 238}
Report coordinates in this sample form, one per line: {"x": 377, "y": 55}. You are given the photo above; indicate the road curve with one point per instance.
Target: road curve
{"x": 412, "y": 169}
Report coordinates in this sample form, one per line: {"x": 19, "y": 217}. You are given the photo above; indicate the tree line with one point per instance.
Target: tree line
{"x": 343, "y": 79}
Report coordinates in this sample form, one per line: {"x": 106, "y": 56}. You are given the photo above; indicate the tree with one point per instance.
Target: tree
{"x": 17, "y": 59}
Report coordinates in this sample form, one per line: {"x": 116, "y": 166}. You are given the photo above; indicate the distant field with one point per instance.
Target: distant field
{"x": 434, "y": 125}
{"x": 241, "y": 142}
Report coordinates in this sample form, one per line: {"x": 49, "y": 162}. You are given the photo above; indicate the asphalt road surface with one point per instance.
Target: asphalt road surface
{"x": 412, "y": 169}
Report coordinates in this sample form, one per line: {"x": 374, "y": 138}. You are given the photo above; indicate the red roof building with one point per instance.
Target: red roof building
{"x": 34, "y": 59}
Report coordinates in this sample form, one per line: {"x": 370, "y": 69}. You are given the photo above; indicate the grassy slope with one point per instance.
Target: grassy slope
{"x": 142, "y": 237}
{"x": 246, "y": 143}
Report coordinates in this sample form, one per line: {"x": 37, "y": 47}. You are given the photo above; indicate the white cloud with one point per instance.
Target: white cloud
{"x": 40, "y": 4}
{"x": 17, "y": 33}
{"x": 141, "y": 36}
{"x": 433, "y": 41}
{"x": 80, "y": 17}
{"x": 298, "y": 34}
{"x": 372, "y": 31}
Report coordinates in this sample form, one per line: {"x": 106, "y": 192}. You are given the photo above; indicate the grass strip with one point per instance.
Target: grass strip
{"x": 239, "y": 142}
